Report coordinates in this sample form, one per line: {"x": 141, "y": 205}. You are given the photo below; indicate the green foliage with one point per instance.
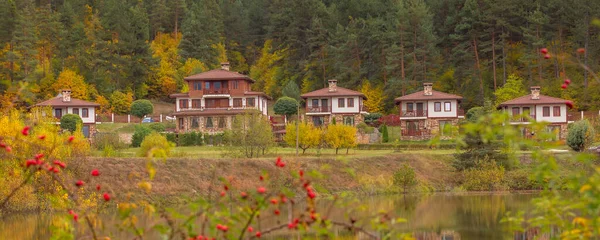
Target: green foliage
{"x": 171, "y": 137}
{"x": 286, "y": 106}
{"x": 103, "y": 140}
{"x": 141, "y": 108}
{"x": 69, "y": 122}
{"x": 405, "y": 178}
{"x": 155, "y": 145}
{"x": 581, "y": 135}
{"x": 141, "y": 131}
{"x": 364, "y": 128}
{"x": 250, "y": 136}
{"x": 512, "y": 89}
{"x": 291, "y": 90}
{"x": 372, "y": 118}
{"x": 486, "y": 177}
{"x": 384, "y": 134}
{"x": 477, "y": 151}
{"x": 157, "y": 127}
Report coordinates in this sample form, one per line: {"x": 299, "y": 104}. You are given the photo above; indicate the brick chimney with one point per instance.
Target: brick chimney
{"x": 66, "y": 95}
{"x": 427, "y": 89}
{"x": 332, "y": 85}
{"x": 225, "y": 66}
{"x": 535, "y": 92}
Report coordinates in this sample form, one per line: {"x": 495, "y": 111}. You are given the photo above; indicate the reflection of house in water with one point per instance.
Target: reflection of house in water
{"x": 444, "y": 235}
{"x": 535, "y": 233}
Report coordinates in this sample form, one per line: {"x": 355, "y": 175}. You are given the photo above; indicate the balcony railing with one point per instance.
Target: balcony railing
{"x": 461, "y": 112}
{"x": 317, "y": 109}
{"x": 213, "y": 91}
{"x": 414, "y": 113}
{"x": 415, "y": 133}
{"x": 522, "y": 118}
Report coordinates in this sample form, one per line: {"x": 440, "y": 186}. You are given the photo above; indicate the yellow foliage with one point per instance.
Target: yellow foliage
{"x": 340, "y": 136}
{"x": 265, "y": 69}
{"x": 104, "y": 104}
{"x": 163, "y": 80}
{"x": 309, "y": 135}
{"x": 374, "y": 102}
{"x": 222, "y": 52}
{"x": 69, "y": 79}
{"x": 192, "y": 66}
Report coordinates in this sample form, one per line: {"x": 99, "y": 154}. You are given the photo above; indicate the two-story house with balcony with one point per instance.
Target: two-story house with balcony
{"x": 343, "y": 104}
{"x": 539, "y": 108}
{"x": 426, "y": 113}
{"x": 214, "y": 99}
{"x": 64, "y": 104}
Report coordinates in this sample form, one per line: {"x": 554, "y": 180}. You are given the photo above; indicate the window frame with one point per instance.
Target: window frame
{"x": 350, "y": 102}
{"x": 437, "y": 106}
{"x": 345, "y": 119}
{"x": 217, "y": 86}
{"x": 341, "y": 103}
{"x": 237, "y": 102}
{"x": 196, "y": 103}
{"x": 183, "y": 104}
{"x": 555, "y": 110}
{"x": 251, "y": 100}
{"x": 410, "y": 107}
{"x": 546, "y": 111}
{"x": 516, "y": 113}
{"x": 207, "y": 85}
{"x": 75, "y": 111}
{"x": 209, "y": 122}
{"x": 197, "y": 86}
{"x": 449, "y": 105}
{"x": 235, "y": 84}
{"x": 195, "y": 123}
{"x": 221, "y": 122}
{"x": 315, "y": 101}
{"x": 85, "y": 113}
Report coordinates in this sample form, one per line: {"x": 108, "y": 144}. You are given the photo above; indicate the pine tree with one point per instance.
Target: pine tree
{"x": 202, "y": 28}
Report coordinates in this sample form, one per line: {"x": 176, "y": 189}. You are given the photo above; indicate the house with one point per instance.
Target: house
{"x": 342, "y": 104}
{"x": 64, "y": 104}
{"x": 540, "y": 108}
{"x": 425, "y": 113}
{"x": 214, "y": 99}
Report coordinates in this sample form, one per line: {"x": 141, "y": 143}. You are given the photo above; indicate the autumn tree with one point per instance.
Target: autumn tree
{"x": 163, "y": 80}
{"x": 374, "y": 102}
{"x": 121, "y": 102}
{"x": 266, "y": 69}
{"x": 309, "y": 136}
{"x": 340, "y": 136}
{"x": 251, "y": 135}
{"x": 69, "y": 79}
{"x": 512, "y": 89}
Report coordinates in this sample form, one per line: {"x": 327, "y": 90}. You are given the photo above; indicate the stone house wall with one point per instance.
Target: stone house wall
{"x": 188, "y": 120}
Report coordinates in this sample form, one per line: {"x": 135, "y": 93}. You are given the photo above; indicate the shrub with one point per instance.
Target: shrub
{"x": 581, "y": 135}
{"x": 141, "y": 108}
{"x": 251, "y": 135}
{"x": 487, "y": 177}
{"x": 171, "y": 137}
{"x": 140, "y": 132}
{"x": 157, "y": 127}
{"x": 405, "y": 178}
{"x": 372, "y": 118}
{"x": 187, "y": 139}
{"x": 477, "y": 152}
{"x": 340, "y": 136}
{"x": 69, "y": 122}
{"x": 155, "y": 145}
{"x": 364, "y": 128}
{"x": 520, "y": 179}
{"x": 102, "y": 140}
{"x": 384, "y": 134}
{"x": 286, "y": 106}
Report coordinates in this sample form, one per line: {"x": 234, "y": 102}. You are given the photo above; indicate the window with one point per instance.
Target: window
{"x": 318, "y": 121}
{"x": 556, "y": 111}
{"x": 206, "y": 85}
{"x": 250, "y": 102}
{"x": 217, "y": 85}
{"x": 183, "y": 103}
{"x": 445, "y": 127}
{"x": 554, "y": 130}
{"x": 341, "y": 102}
{"x": 195, "y": 122}
{"x": 84, "y": 113}
{"x": 209, "y": 122}
{"x": 237, "y": 102}
{"x": 546, "y": 111}
{"x": 409, "y": 107}
{"x": 516, "y": 111}
{"x": 58, "y": 113}
{"x": 447, "y": 107}
{"x": 76, "y": 111}
{"x": 196, "y": 103}
{"x": 181, "y": 123}
{"x": 315, "y": 102}
{"x": 221, "y": 122}
{"x": 197, "y": 85}
{"x": 437, "y": 106}
{"x": 350, "y": 102}
{"x": 235, "y": 84}
{"x": 86, "y": 131}
{"x": 349, "y": 120}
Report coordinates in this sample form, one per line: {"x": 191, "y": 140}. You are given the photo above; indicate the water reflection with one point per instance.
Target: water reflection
{"x": 436, "y": 216}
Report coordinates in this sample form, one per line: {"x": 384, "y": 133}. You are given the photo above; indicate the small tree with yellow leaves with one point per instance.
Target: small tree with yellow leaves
{"x": 309, "y": 137}
{"x": 340, "y": 136}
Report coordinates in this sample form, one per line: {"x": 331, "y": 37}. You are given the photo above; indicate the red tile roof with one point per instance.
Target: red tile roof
{"x": 218, "y": 74}
{"x": 526, "y": 100}
{"x": 58, "y": 102}
{"x": 324, "y": 92}
{"x": 421, "y": 96}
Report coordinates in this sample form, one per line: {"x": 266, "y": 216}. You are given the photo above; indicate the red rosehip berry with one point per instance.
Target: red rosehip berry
{"x": 200, "y": 237}
{"x": 250, "y": 229}
{"x": 301, "y": 173}
{"x": 564, "y": 86}
{"x": 244, "y": 195}
{"x": 71, "y": 138}
{"x": 8, "y": 149}
{"x": 226, "y": 187}
{"x": 569, "y": 104}
{"x": 42, "y": 137}
{"x": 276, "y": 212}
{"x": 291, "y": 225}
{"x": 106, "y": 197}
{"x": 30, "y": 163}
{"x": 581, "y": 50}
{"x": 79, "y": 183}
{"x": 95, "y": 173}
{"x": 274, "y": 201}
{"x": 261, "y": 190}
{"x": 60, "y": 164}
{"x": 258, "y": 234}
{"x": 39, "y": 156}
{"x": 283, "y": 199}
{"x": 547, "y": 56}
{"x": 261, "y": 178}
{"x": 311, "y": 194}
{"x": 50, "y": 168}
{"x": 224, "y": 228}
{"x": 75, "y": 217}
{"x": 219, "y": 226}
{"x": 313, "y": 216}
{"x": 567, "y": 81}
{"x": 71, "y": 212}
{"x": 544, "y": 50}
{"x": 2, "y": 145}
{"x": 222, "y": 193}
{"x": 98, "y": 187}
{"x": 25, "y": 130}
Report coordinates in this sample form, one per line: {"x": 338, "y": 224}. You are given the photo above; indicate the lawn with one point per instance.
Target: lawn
{"x": 116, "y": 127}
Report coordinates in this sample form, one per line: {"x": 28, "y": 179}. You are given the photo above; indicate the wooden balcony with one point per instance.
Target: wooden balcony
{"x": 221, "y": 91}
{"x": 461, "y": 112}
{"x": 414, "y": 113}
{"x": 415, "y": 133}
{"x": 522, "y": 118}
{"x": 318, "y": 109}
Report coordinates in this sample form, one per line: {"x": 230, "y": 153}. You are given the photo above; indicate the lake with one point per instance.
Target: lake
{"x": 434, "y": 216}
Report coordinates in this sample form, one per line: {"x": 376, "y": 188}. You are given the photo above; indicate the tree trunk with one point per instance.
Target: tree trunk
{"x": 336, "y": 151}
{"x": 415, "y": 62}
{"x": 478, "y": 66}
{"x": 504, "y": 58}
{"x": 347, "y": 149}
{"x": 494, "y": 58}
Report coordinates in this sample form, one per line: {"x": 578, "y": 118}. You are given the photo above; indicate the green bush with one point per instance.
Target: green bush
{"x": 520, "y": 179}
{"x": 486, "y": 177}
{"x": 187, "y": 139}
{"x": 69, "y": 122}
{"x": 157, "y": 127}
{"x": 384, "y": 134}
{"x": 140, "y": 132}
{"x": 405, "y": 178}
{"x": 141, "y": 108}
{"x": 364, "y": 128}
{"x": 171, "y": 137}
{"x": 286, "y": 106}
{"x": 199, "y": 141}
{"x": 477, "y": 152}
{"x": 103, "y": 140}
{"x": 581, "y": 135}
{"x": 372, "y": 118}
{"x": 155, "y": 145}
{"x": 406, "y": 145}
